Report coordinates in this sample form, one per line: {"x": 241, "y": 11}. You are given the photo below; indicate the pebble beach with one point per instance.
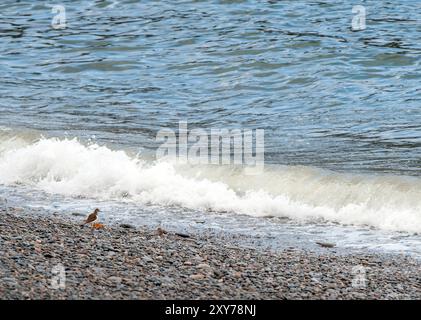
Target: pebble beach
{"x": 123, "y": 262}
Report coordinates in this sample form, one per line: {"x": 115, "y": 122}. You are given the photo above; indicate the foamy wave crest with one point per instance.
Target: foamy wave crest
{"x": 68, "y": 167}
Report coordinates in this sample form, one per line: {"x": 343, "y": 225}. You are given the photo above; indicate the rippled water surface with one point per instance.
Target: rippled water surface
{"x": 327, "y": 96}
{"x": 122, "y": 70}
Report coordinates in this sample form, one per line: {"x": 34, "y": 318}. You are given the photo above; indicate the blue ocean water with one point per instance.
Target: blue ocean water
{"x": 326, "y": 95}
{"x": 329, "y": 98}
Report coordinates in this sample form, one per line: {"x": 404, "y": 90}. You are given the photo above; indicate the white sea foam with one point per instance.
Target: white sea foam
{"x": 71, "y": 168}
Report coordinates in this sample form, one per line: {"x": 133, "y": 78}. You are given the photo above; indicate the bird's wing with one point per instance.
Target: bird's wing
{"x": 91, "y": 217}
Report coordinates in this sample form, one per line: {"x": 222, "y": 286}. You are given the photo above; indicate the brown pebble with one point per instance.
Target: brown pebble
{"x": 198, "y": 276}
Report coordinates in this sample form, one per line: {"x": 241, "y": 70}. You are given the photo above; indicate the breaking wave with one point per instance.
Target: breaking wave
{"x": 72, "y": 168}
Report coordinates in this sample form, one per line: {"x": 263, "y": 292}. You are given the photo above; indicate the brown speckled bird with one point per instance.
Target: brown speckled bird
{"x": 92, "y": 217}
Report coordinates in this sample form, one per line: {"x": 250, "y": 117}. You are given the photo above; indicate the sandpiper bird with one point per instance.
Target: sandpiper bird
{"x": 92, "y": 217}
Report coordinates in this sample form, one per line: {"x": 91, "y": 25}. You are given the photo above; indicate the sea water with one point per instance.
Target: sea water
{"x": 81, "y": 107}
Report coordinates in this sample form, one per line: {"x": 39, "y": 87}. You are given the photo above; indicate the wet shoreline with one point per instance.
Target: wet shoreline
{"x": 122, "y": 262}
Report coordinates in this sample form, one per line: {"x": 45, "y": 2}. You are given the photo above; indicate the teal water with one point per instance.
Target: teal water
{"x": 341, "y": 110}
{"x": 326, "y": 96}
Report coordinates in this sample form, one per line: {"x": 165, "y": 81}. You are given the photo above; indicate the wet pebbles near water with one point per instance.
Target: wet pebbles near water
{"x": 55, "y": 258}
